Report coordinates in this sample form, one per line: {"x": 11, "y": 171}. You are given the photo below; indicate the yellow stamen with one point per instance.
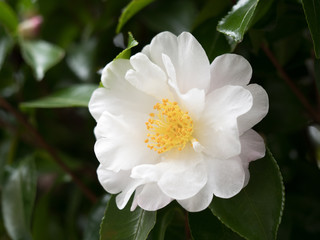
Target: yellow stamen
{"x": 169, "y": 128}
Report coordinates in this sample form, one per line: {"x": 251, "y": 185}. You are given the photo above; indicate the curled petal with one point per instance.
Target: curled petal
{"x": 115, "y": 182}
{"x": 118, "y": 95}
{"x": 229, "y": 69}
{"x": 179, "y": 176}
{"x": 148, "y": 77}
{"x": 259, "y": 109}
{"x": 186, "y": 55}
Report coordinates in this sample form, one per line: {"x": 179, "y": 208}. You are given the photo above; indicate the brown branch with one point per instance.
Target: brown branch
{"x": 43, "y": 144}
{"x": 313, "y": 113}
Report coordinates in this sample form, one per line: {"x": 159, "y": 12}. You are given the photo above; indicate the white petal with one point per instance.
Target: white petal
{"x": 148, "y": 172}
{"x": 183, "y": 176}
{"x": 148, "y": 77}
{"x": 217, "y": 130}
{"x": 123, "y": 198}
{"x": 252, "y": 146}
{"x": 118, "y": 95}
{"x": 188, "y": 57}
{"x": 226, "y": 177}
{"x": 246, "y": 172}
{"x": 120, "y": 144}
{"x": 151, "y": 198}
{"x": 169, "y": 69}
{"x": 192, "y": 101}
{"x": 113, "y": 182}
{"x": 179, "y": 175}
{"x": 258, "y": 110}
{"x": 198, "y": 202}
{"x": 230, "y": 69}
{"x": 197, "y": 146}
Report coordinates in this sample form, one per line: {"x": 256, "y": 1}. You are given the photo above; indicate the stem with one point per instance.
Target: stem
{"x": 291, "y": 84}
{"x": 43, "y": 144}
{"x": 186, "y": 226}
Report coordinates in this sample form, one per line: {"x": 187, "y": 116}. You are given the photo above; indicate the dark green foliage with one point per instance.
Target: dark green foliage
{"x": 48, "y": 185}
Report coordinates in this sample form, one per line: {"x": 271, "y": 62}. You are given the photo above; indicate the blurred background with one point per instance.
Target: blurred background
{"x": 51, "y": 52}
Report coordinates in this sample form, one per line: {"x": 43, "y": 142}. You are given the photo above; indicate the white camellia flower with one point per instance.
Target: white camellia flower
{"x": 172, "y": 126}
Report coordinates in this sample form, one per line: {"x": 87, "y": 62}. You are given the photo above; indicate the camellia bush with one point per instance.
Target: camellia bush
{"x": 159, "y": 119}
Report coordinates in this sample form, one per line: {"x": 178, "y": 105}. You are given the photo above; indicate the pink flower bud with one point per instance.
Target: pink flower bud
{"x": 30, "y": 27}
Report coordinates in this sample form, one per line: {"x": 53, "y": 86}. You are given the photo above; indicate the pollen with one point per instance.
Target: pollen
{"x": 168, "y": 128}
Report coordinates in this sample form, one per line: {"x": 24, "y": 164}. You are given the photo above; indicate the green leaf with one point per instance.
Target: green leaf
{"x": 80, "y": 58}
{"x": 92, "y": 227}
{"x": 130, "y": 10}
{"x": 204, "y": 225}
{"x": 40, "y": 56}
{"x": 170, "y": 223}
{"x": 210, "y": 10}
{"x": 8, "y": 18}
{"x": 312, "y": 12}
{"x": 317, "y": 73}
{"x": 125, "y": 224}
{"x": 18, "y": 198}
{"x": 236, "y": 23}
{"x": 255, "y": 213}
{"x": 74, "y": 96}
{"x": 6, "y": 44}
{"x": 173, "y": 16}
{"x": 127, "y": 52}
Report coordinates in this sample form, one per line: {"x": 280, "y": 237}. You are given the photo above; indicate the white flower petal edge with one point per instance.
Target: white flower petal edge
{"x": 148, "y": 77}
{"x": 218, "y": 128}
{"x": 186, "y": 55}
{"x": 229, "y": 69}
{"x": 114, "y": 148}
{"x": 150, "y": 198}
{"x": 202, "y": 150}
{"x": 114, "y": 97}
{"x": 258, "y": 110}
{"x": 252, "y": 148}
{"x": 227, "y": 176}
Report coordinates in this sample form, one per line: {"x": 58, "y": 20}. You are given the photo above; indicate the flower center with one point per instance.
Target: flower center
{"x": 169, "y": 128}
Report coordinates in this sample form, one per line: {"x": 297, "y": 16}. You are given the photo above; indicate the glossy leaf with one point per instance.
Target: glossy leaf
{"x": 7, "y": 17}
{"x": 74, "y": 96}
{"x": 125, "y": 224}
{"x": 130, "y": 10}
{"x": 205, "y": 226}
{"x": 312, "y": 12}
{"x": 18, "y": 196}
{"x": 236, "y": 23}
{"x": 92, "y": 227}
{"x": 80, "y": 58}
{"x": 170, "y": 223}
{"x": 127, "y": 52}
{"x": 40, "y": 56}
{"x": 255, "y": 213}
